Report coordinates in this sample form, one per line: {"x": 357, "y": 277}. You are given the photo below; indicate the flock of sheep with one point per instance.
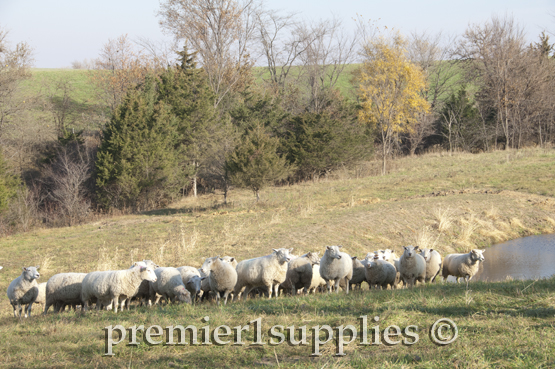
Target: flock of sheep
{"x": 147, "y": 283}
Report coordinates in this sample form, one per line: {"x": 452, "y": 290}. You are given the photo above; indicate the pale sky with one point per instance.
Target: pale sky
{"x": 62, "y": 31}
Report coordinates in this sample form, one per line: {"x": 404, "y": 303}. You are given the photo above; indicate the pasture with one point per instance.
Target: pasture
{"x": 451, "y": 203}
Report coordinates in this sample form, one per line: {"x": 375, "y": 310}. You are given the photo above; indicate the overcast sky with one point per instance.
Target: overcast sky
{"x": 63, "y": 31}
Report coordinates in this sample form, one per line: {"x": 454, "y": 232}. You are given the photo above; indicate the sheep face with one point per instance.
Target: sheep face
{"x": 148, "y": 274}
{"x": 194, "y": 284}
{"x": 207, "y": 266}
{"x": 313, "y": 257}
{"x": 283, "y": 255}
{"x": 426, "y": 254}
{"x": 410, "y": 251}
{"x": 31, "y": 273}
{"x": 183, "y": 295}
{"x": 333, "y": 252}
{"x": 477, "y": 255}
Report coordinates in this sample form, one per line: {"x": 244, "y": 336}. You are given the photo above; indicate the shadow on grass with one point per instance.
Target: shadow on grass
{"x": 187, "y": 210}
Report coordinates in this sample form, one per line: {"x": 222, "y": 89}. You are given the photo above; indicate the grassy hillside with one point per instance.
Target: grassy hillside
{"x": 453, "y": 203}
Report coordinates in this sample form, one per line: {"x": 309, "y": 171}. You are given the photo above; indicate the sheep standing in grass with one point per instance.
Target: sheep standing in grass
{"x": 433, "y": 264}
{"x": 108, "y": 287}
{"x": 462, "y": 265}
{"x": 24, "y": 291}
{"x": 266, "y": 271}
{"x": 205, "y": 272}
{"x": 336, "y": 266}
{"x": 143, "y": 292}
{"x": 169, "y": 286}
{"x": 359, "y": 275}
{"x": 300, "y": 273}
{"x": 380, "y": 273}
{"x": 63, "y": 289}
{"x": 412, "y": 266}
{"x": 192, "y": 280}
{"x": 222, "y": 279}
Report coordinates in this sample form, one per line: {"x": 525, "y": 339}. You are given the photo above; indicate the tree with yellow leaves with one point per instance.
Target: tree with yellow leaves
{"x": 390, "y": 90}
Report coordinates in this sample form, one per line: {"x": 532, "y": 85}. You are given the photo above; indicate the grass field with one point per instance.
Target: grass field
{"x": 453, "y": 203}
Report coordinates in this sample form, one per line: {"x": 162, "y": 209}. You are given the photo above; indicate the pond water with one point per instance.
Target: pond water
{"x": 524, "y": 258}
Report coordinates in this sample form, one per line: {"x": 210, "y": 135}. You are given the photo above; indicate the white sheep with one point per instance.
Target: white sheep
{"x": 24, "y": 290}
{"x": 380, "y": 274}
{"x": 359, "y": 275}
{"x": 108, "y": 287}
{"x": 1, "y": 267}
{"x": 169, "y": 286}
{"x": 63, "y": 289}
{"x": 265, "y": 271}
{"x": 300, "y": 273}
{"x": 433, "y": 264}
{"x": 205, "y": 272}
{"x": 412, "y": 266}
{"x": 462, "y": 265}
{"x": 192, "y": 280}
{"x": 336, "y": 266}
{"x": 143, "y": 292}
{"x": 222, "y": 278}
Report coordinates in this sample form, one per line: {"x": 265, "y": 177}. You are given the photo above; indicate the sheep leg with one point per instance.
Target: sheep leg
{"x": 29, "y": 307}
{"x": 328, "y": 286}
{"x": 337, "y": 285}
{"x": 19, "y": 308}
{"x": 347, "y": 283}
{"x": 218, "y": 298}
{"x": 246, "y": 292}
{"x": 226, "y": 294}
{"x": 115, "y": 303}
{"x": 276, "y": 289}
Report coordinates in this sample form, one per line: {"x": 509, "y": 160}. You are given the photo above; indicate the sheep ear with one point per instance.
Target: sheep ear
{"x": 275, "y": 250}
{"x": 328, "y": 247}
{"x": 406, "y": 248}
{"x": 232, "y": 259}
{"x": 203, "y": 278}
{"x": 417, "y": 247}
{"x": 339, "y": 246}
{"x": 291, "y": 250}
{"x": 24, "y": 269}
{"x": 37, "y": 267}
{"x": 431, "y": 250}
{"x": 354, "y": 257}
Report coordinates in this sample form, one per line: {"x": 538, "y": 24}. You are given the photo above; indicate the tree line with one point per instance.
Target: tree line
{"x": 250, "y": 97}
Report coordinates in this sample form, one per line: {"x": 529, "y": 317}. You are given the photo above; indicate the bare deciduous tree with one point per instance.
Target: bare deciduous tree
{"x": 219, "y": 31}
{"x": 14, "y": 67}
{"x": 493, "y": 52}
{"x": 67, "y": 176}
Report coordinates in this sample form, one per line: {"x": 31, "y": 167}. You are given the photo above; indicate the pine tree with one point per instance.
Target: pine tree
{"x": 255, "y": 162}
{"x": 185, "y": 89}
{"x": 137, "y": 163}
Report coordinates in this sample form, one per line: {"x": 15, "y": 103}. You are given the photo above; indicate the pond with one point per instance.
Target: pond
{"x": 524, "y": 258}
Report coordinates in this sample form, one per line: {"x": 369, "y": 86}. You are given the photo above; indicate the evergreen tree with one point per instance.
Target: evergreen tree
{"x": 137, "y": 163}
{"x": 255, "y": 162}
{"x": 320, "y": 143}
{"x": 185, "y": 89}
